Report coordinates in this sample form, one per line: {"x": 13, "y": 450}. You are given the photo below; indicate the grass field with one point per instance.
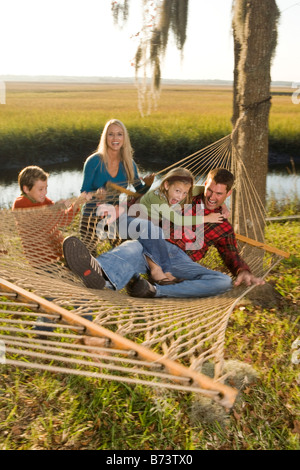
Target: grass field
{"x": 64, "y": 121}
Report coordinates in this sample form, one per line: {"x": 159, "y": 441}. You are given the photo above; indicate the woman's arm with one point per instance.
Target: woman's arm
{"x": 91, "y": 169}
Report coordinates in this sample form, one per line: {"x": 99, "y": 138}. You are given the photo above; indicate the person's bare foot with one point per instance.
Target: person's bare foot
{"x": 97, "y": 343}
{"x": 170, "y": 276}
{"x": 157, "y": 274}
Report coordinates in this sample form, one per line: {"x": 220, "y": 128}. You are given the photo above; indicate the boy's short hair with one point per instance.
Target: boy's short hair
{"x": 29, "y": 175}
{"x": 222, "y": 176}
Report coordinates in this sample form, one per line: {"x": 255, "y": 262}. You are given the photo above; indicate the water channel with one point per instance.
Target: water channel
{"x": 66, "y": 182}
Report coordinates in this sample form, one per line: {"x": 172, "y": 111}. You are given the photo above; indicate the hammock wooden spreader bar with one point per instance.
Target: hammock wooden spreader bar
{"x": 200, "y": 383}
{"x": 263, "y": 246}
{"x": 120, "y": 189}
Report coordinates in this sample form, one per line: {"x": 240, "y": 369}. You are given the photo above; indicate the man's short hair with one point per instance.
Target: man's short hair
{"x": 29, "y": 175}
{"x": 222, "y": 176}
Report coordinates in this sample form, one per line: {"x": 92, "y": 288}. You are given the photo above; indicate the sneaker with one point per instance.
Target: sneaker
{"x": 165, "y": 281}
{"x": 140, "y": 287}
{"x": 41, "y": 321}
{"x": 80, "y": 262}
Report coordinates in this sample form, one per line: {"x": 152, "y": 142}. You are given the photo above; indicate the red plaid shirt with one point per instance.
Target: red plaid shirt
{"x": 220, "y": 235}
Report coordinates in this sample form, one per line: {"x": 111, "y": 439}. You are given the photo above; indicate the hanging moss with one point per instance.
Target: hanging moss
{"x": 171, "y": 17}
{"x": 156, "y": 75}
{"x": 120, "y": 11}
{"x": 138, "y": 57}
{"x": 179, "y": 21}
{"x": 155, "y": 45}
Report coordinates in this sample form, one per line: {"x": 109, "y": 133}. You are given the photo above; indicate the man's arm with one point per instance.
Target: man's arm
{"x": 227, "y": 247}
{"x": 248, "y": 278}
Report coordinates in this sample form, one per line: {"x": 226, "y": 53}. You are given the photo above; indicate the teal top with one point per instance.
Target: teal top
{"x": 157, "y": 207}
{"x": 95, "y": 176}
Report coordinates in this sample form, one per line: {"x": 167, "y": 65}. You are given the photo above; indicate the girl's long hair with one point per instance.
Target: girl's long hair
{"x": 126, "y": 149}
{"x": 181, "y": 175}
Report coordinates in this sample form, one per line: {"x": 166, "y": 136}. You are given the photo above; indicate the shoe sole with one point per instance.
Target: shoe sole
{"x": 140, "y": 288}
{"x": 163, "y": 282}
{"x": 78, "y": 259}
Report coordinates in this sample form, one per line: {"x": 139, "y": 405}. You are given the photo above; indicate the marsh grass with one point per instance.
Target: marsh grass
{"x": 64, "y": 121}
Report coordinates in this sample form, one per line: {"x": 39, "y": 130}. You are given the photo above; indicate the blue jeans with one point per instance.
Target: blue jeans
{"x": 127, "y": 260}
{"x": 151, "y": 237}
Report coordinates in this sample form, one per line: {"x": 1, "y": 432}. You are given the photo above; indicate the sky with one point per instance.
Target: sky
{"x": 79, "y": 38}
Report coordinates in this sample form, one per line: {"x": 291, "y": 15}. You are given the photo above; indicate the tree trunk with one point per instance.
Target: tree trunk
{"x": 236, "y": 100}
{"x": 254, "y": 25}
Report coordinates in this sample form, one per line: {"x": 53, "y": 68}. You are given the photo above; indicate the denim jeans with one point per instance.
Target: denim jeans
{"x": 151, "y": 237}
{"x": 127, "y": 260}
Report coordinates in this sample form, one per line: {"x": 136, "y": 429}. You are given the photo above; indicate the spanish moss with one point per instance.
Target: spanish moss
{"x": 160, "y": 18}
{"x": 120, "y": 10}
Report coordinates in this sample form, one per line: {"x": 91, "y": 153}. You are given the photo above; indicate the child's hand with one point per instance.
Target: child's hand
{"x": 225, "y": 211}
{"x": 84, "y": 197}
{"x": 101, "y": 194}
{"x": 214, "y": 218}
{"x": 63, "y": 203}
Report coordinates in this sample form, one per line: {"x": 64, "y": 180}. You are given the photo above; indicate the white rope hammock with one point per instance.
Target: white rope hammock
{"x": 181, "y": 335}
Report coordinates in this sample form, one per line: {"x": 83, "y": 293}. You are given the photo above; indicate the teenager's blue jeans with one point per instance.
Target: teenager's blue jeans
{"x": 151, "y": 237}
{"x": 127, "y": 260}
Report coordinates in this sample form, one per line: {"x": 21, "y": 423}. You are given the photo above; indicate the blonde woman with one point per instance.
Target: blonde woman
{"x": 112, "y": 161}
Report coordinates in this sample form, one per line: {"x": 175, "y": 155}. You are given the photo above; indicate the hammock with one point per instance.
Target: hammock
{"x": 165, "y": 341}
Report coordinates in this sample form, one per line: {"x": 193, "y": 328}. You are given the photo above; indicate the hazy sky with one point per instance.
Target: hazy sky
{"x": 78, "y": 37}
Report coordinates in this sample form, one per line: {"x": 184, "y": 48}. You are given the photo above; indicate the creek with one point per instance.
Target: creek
{"x": 66, "y": 182}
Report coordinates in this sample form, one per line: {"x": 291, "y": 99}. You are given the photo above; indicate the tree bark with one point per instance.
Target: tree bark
{"x": 255, "y": 35}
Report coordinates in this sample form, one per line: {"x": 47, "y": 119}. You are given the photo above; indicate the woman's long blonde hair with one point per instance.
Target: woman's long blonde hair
{"x": 126, "y": 149}
{"x": 183, "y": 176}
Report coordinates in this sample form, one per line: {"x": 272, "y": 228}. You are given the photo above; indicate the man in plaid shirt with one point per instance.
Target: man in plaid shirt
{"x": 123, "y": 265}
{"x": 221, "y": 236}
